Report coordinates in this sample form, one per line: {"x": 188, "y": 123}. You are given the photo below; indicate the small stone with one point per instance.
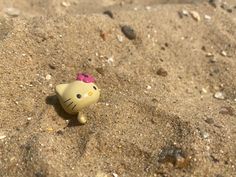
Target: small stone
{"x": 209, "y": 54}
{"x": 114, "y": 175}
{"x": 51, "y": 66}
{"x": 162, "y": 72}
{"x": 48, "y": 77}
{"x": 50, "y": 129}
{"x": 226, "y": 7}
{"x": 204, "y": 90}
{"x": 209, "y": 120}
{"x": 219, "y": 95}
{"x": 59, "y": 132}
{"x": 100, "y": 71}
{"x": 229, "y": 10}
{"x": 183, "y": 13}
{"x": 149, "y": 87}
{"x": 213, "y": 60}
{"x": 223, "y": 53}
{"x": 207, "y": 17}
{"x": 175, "y": 156}
{"x": 65, "y": 4}
{"x": 40, "y": 174}
{"x": 12, "y": 11}
{"x": 204, "y": 134}
{"x": 215, "y": 3}
{"x": 120, "y": 38}
{"x": 29, "y": 118}
{"x": 2, "y": 137}
{"x": 195, "y": 15}
{"x": 108, "y": 13}
{"x": 227, "y": 110}
{"x": 110, "y": 60}
{"x": 128, "y": 32}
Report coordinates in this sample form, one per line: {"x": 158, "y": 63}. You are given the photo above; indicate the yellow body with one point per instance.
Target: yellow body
{"x": 77, "y": 95}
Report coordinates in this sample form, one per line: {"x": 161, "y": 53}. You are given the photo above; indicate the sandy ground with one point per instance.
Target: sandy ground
{"x": 157, "y": 115}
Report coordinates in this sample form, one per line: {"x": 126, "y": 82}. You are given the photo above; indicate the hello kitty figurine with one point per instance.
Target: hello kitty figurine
{"x": 78, "y": 94}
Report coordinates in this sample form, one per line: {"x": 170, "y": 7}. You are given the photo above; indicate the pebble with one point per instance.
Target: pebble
{"x": 204, "y": 90}
{"x": 128, "y": 32}
{"x": 109, "y": 13}
{"x": 226, "y": 7}
{"x": 114, "y": 175}
{"x": 48, "y": 77}
{"x": 204, "y": 134}
{"x": 174, "y": 155}
{"x": 100, "y": 71}
{"x": 162, "y": 72}
{"x": 219, "y": 95}
{"x": 149, "y": 87}
{"x": 213, "y": 60}
{"x": 12, "y": 11}
{"x": 223, "y": 53}
{"x": 51, "y": 66}
{"x": 215, "y": 3}
{"x": 2, "y": 137}
{"x": 207, "y": 17}
{"x": 120, "y": 38}
{"x": 183, "y": 13}
{"x": 227, "y": 110}
{"x": 110, "y": 60}
{"x": 209, "y": 54}
{"x": 195, "y": 15}
{"x": 209, "y": 120}
{"x": 65, "y": 4}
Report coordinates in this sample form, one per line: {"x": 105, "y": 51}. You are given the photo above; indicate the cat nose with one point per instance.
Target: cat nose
{"x": 90, "y": 93}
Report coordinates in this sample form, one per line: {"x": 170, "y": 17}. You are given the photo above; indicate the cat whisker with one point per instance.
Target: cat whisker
{"x": 70, "y": 104}
{"x": 74, "y": 106}
{"x": 67, "y": 100}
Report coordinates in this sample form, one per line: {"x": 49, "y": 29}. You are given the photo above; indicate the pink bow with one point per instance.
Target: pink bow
{"x": 85, "y": 78}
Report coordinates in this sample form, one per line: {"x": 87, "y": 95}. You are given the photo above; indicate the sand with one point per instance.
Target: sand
{"x": 168, "y": 97}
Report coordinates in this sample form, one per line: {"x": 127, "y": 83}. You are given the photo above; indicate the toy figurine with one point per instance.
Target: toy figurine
{"x": 77, "y": 95}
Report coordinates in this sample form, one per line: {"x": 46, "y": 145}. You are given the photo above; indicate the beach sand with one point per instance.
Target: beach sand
{"x": 168, "y": 92}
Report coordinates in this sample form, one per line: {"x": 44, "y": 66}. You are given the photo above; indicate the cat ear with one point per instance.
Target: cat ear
{"x": 61, "y": 88}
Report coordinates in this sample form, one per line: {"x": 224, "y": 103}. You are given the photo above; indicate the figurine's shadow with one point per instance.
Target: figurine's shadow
{"x": 53, "y": 100}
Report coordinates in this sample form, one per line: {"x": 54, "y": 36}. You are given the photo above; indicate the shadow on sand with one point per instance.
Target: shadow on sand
{"x": 53, "y": 100}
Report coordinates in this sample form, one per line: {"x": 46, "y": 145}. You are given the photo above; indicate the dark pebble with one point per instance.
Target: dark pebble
{"x": 203, "y": 48}
{"x": 128, "y": 32}
{"x": 108, "y": 13}
{"x": 100, "y": 71}
{"x": 227, "y": 110}
{"x": 52, "y": 66}
{"x": 175, "y": 156}
{"x": 230, "y": 10}
{"x": 215, "y": 3}
{"x": 214, "y": 159}
{"x": 40, "y": 174}
{"x": 209, "y": 120}
{"x": 162, "y": 72}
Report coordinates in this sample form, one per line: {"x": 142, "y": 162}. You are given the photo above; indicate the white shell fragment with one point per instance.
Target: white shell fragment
{"x": 219, "y": 95}
{"x": 195, "y": 15}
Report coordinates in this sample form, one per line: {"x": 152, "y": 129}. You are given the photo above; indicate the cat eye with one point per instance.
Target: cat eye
{"x": 78, "y": 96}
